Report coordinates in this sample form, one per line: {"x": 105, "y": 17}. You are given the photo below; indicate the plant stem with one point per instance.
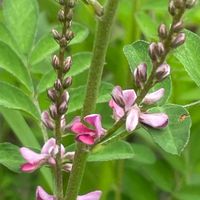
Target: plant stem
{"x": 192, "y": 104}
{"x": 94, "y": 80}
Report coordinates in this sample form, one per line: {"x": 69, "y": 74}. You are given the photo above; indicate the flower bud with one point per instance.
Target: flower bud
{"x": 162, "y": 31}
{"x": 179, "y": 3}
{"x": 65, "y": 96}
{"x": 171, "y": 8}
{"x": 69, "y": 15}
{"x": 61, "y": 15}
{"x": 47, "y": 120}
{"x": 67, "y": 82}
{"x": 190, "y": 3}
{"x": 98, "y": 8}
{"x": 62, "y": 2}
{"x": 62, "y": 122}
{"x": 58, "y": 84}
{"x": 67, "y": 64}
{"x": 53, "y": 111}
{"x": 162, "y": 72}
{"x": 140, "y": 75}
{"x": 63, "y": 108}
{"x": 69, "y": 35}
{"x": 178, "y": 26}
{"x": 52, "y": 94}
{"x": 117, "y": 96}
{"x": 67, "y": 167}
{"x": 161, "y": 48}
{"x": 55, "y": 62}
{"x": 63, "y": 42}
{"x": 71, "y": 3}
{"x": 153, "y": 51}
{"x": 69, "y": 155}
{"x": 56, "y": 34}
{"x": 178, "y": 40}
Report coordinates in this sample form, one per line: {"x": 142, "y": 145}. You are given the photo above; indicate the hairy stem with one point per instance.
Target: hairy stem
{"x": 94, "y": 80}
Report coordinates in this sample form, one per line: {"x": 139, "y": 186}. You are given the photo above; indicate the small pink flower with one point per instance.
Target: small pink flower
{"x": 42, "y": 195}
{"x": 85, "y": 134}
{"x": 132, "y": 112}
{"x": 36, "y": 160}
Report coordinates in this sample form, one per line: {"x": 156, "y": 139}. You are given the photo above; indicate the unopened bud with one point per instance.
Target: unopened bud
{"x": 62, "y": 122}
{"x": 162, "y": 72}
{"x": 140, "y": 75}
{"x": 69, "y": 15}
{"x": 98, "y": 8}
{"x": 65, "y": 96}
{"x": 61, "y": 15}
{"x": 62, "y": 2}
{"x": 161, "y": 48}
{"x": 56, "y": 34}
{"x": 63, "y": 42}
{"x": 52, "y": 94}
{"x": 67, "y": 167}
{"x": 67, "y": 82}
{"x": 62, "y": 108}
{"x": 172, "y": 8}
{"x": 162, "y": 31}
{"x": 69, "y": 35}
{"x": 71, "y": 3}
{"x": 153, "y": 51}
{"x": 69, "y": 155}
{"x": 53, "y": 111}
{"x": 178, "y": 40}
{"x": 117, "y": 96}
{"x": 55, "y": 62}
{"x": 179, "y": 3}
{"x": 47, "y": 121}
{"x": 58, "y": 84}
{"x": 67, "y": 64}
{"x": 178, "y": 26}
{"x": 190, "y": 3}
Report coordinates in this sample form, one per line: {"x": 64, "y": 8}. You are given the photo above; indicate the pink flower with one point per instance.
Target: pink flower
{"x": 132, "y": 112}
{"x": 36, "y": 160}
{"x": 42, "y": 195}
{"x": 85, "y": 134}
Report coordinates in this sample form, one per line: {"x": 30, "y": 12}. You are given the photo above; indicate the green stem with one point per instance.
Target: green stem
{"x": 192, "y": 104}
{"x": 94, "y": 81}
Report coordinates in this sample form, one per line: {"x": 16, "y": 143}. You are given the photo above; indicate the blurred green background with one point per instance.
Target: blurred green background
{"x": 153, "y": 174}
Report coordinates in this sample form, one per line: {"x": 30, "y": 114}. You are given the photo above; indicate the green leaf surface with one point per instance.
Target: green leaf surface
{"x": 47, "y": 45}
{"x": 143, "y": 154}
{"x": 81, "y": 62}
{"x": 21, "y": 20}
{"x": 77, "y": 96}
{"x": 175, "y": 136}
{"x": 10, "y": 62}
{"x": 12, "y": 97}
{"x": 10, "y": 156}
{"x": 188, "y": 55}
{"x": 136, "y": 54}
{"x": 114, "y": 151}
{"x": 188, "y": 193}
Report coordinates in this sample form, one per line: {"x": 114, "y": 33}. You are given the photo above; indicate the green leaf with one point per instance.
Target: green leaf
{"x": 136, "y": 54}
{"x": 77, "y": 96}
{"x": 12, "y": 97}
{"x": 81, "y": 62}
{"x": 47, "y": 45}
{"x": 10, "y": 62}
{"x": 175, "y": 136}
{"x": 188, "y": 193}
{"x": 188, "y": 55}
{"x": 114, "y": 151}
{"x": 21, "y": 20}
{"x": 143, "y": 154}
{"x": 10, "y": 156}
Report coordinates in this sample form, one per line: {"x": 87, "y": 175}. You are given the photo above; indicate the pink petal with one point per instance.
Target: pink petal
{"x": 28, "y": 168}
{"x": 118, "y": 112}
{"x": 132, "y": 119}
{"x": 30, "y": 156}
{"x": 51, "y": 143}
{"x": 153, "y": 97}
{"x": 117, "y": 96}
{"x": 91, "y": 196}
{"x": 86, "y": 139}
{"x": 95, "y": 120}
{"x": 42, "y": 195}
{"x": 154, "y": 120}
{"x": 129, "y": 98}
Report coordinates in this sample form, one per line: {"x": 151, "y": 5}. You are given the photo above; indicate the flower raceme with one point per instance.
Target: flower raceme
{"x": 85, "y": 134}
{"x": 47, "y": 156}
{"x": 123, "y": 105}
{"x": 43, "y": 195}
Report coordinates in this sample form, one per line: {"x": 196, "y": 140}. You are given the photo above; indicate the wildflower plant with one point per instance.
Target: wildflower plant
{"x": 71, "y": 137}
